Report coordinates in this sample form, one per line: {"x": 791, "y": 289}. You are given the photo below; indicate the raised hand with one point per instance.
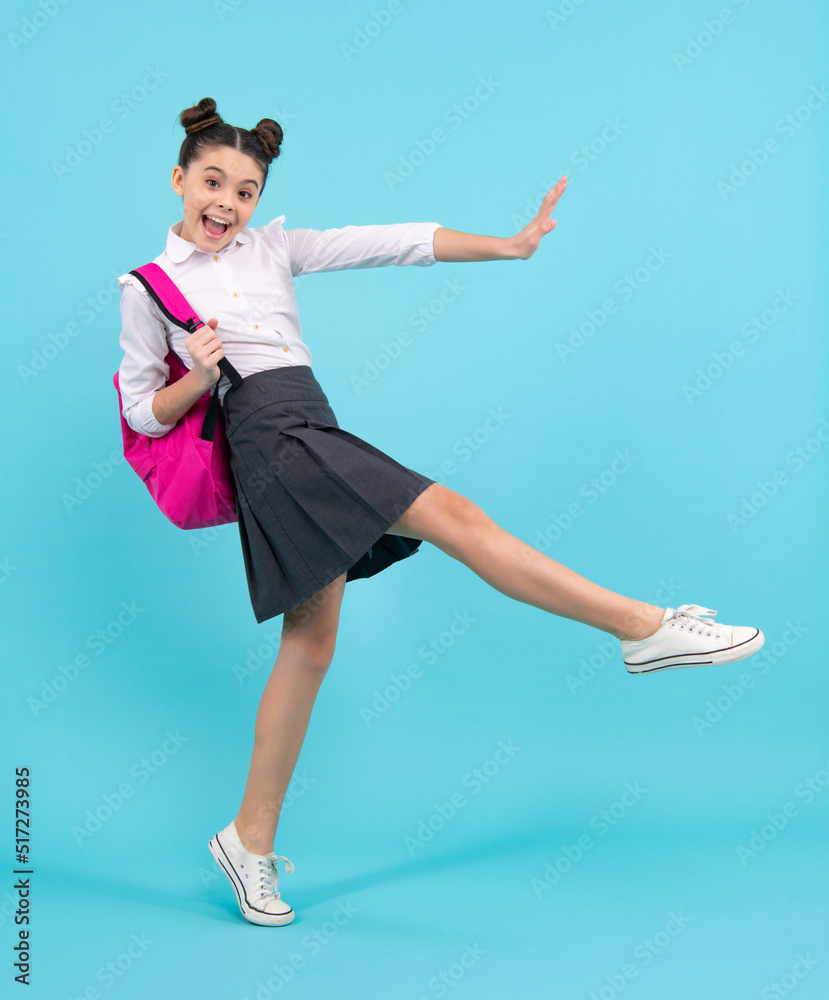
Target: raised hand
{"x": 527, "y": 240}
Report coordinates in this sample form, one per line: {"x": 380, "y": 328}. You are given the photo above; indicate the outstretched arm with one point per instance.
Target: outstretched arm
{"x": 452, "y": 245}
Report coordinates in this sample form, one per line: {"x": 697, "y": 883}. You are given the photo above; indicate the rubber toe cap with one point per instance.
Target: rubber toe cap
{"x": 276, "y": 906}
{"x": 743, "y": 634}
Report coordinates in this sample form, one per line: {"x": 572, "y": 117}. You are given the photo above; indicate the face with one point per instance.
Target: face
{"x": 223, "y": 183}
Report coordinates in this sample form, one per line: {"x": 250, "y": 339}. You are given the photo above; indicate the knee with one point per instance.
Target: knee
{"x": 311, "y": 652}
{"x": 309, "y": 631}
{"x": 463, "y": 510}
{"x": 455, "y": 519}
{"x": 440, "y": 514}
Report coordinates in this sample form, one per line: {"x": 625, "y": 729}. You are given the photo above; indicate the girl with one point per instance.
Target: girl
{"x": 318, "y": 506}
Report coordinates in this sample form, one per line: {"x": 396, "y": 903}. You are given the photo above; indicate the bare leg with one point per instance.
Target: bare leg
{"x": 305, "y": 652}
{"x": 460, "y": 528}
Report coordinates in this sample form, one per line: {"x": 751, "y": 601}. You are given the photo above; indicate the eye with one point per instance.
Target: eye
{"x": 212, "y": 180}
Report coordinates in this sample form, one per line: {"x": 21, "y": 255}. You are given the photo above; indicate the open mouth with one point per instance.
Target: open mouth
{"x": 213, "y": 229}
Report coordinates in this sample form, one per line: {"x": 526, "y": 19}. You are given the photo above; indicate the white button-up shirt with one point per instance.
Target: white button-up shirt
{"x": 248, "y": 286}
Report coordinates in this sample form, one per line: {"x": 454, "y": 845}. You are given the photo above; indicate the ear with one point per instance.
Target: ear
{"x": 176, "y": 180}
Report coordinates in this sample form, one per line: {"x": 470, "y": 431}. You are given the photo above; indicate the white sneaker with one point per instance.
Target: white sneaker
{"x": 688, "y": 639}
{"x": 254, "y": 877}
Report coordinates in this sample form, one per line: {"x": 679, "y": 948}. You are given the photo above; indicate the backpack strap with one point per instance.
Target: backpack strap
{"x": 171, "y": 301}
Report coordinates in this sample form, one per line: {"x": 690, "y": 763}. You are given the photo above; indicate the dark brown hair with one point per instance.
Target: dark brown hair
{"x": 204, "y": 127}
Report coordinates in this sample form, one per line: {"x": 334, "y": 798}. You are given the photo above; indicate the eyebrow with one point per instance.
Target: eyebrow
{"x": 220, "y": 171}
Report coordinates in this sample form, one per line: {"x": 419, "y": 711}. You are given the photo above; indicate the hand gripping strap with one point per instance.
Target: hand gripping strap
{"x": 170, "y": 300}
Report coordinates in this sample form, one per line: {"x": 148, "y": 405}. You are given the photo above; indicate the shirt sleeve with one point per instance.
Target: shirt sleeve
{"x": 361, "y": 246}
{"x": 143, "y": 370}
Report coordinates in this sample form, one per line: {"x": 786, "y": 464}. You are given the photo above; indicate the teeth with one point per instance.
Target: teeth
{"x": 223, "y": 222}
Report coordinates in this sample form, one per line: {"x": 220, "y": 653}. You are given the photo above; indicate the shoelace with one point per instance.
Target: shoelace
{"x": 269, "y": 873}
{"x": 694, "y": 613}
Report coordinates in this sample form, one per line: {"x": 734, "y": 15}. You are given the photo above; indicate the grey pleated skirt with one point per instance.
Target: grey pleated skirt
{"x": 313, "y": 500}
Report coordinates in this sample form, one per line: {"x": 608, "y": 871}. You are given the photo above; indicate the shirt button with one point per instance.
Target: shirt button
{"x": 215, "y": 258}
{"x": 284, "y": 348}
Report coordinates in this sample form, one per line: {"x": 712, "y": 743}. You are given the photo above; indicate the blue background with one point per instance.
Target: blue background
{"x": 652, "y": 110}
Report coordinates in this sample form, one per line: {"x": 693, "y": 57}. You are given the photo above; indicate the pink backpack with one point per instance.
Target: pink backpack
{"x": 187, "y": 470}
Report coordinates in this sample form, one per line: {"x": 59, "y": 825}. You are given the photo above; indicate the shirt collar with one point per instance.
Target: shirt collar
{"x": 179, "y": 249}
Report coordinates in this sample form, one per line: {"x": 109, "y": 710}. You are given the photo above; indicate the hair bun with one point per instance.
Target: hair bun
{"x": 200, "y": 116}
{"x": 206, "y": 128}
{"x": 269, "y": 136}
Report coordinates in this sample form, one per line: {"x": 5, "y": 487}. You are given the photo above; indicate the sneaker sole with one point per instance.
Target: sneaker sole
{"x": 716, "y": 657}
{"x": 248, "y": 912}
